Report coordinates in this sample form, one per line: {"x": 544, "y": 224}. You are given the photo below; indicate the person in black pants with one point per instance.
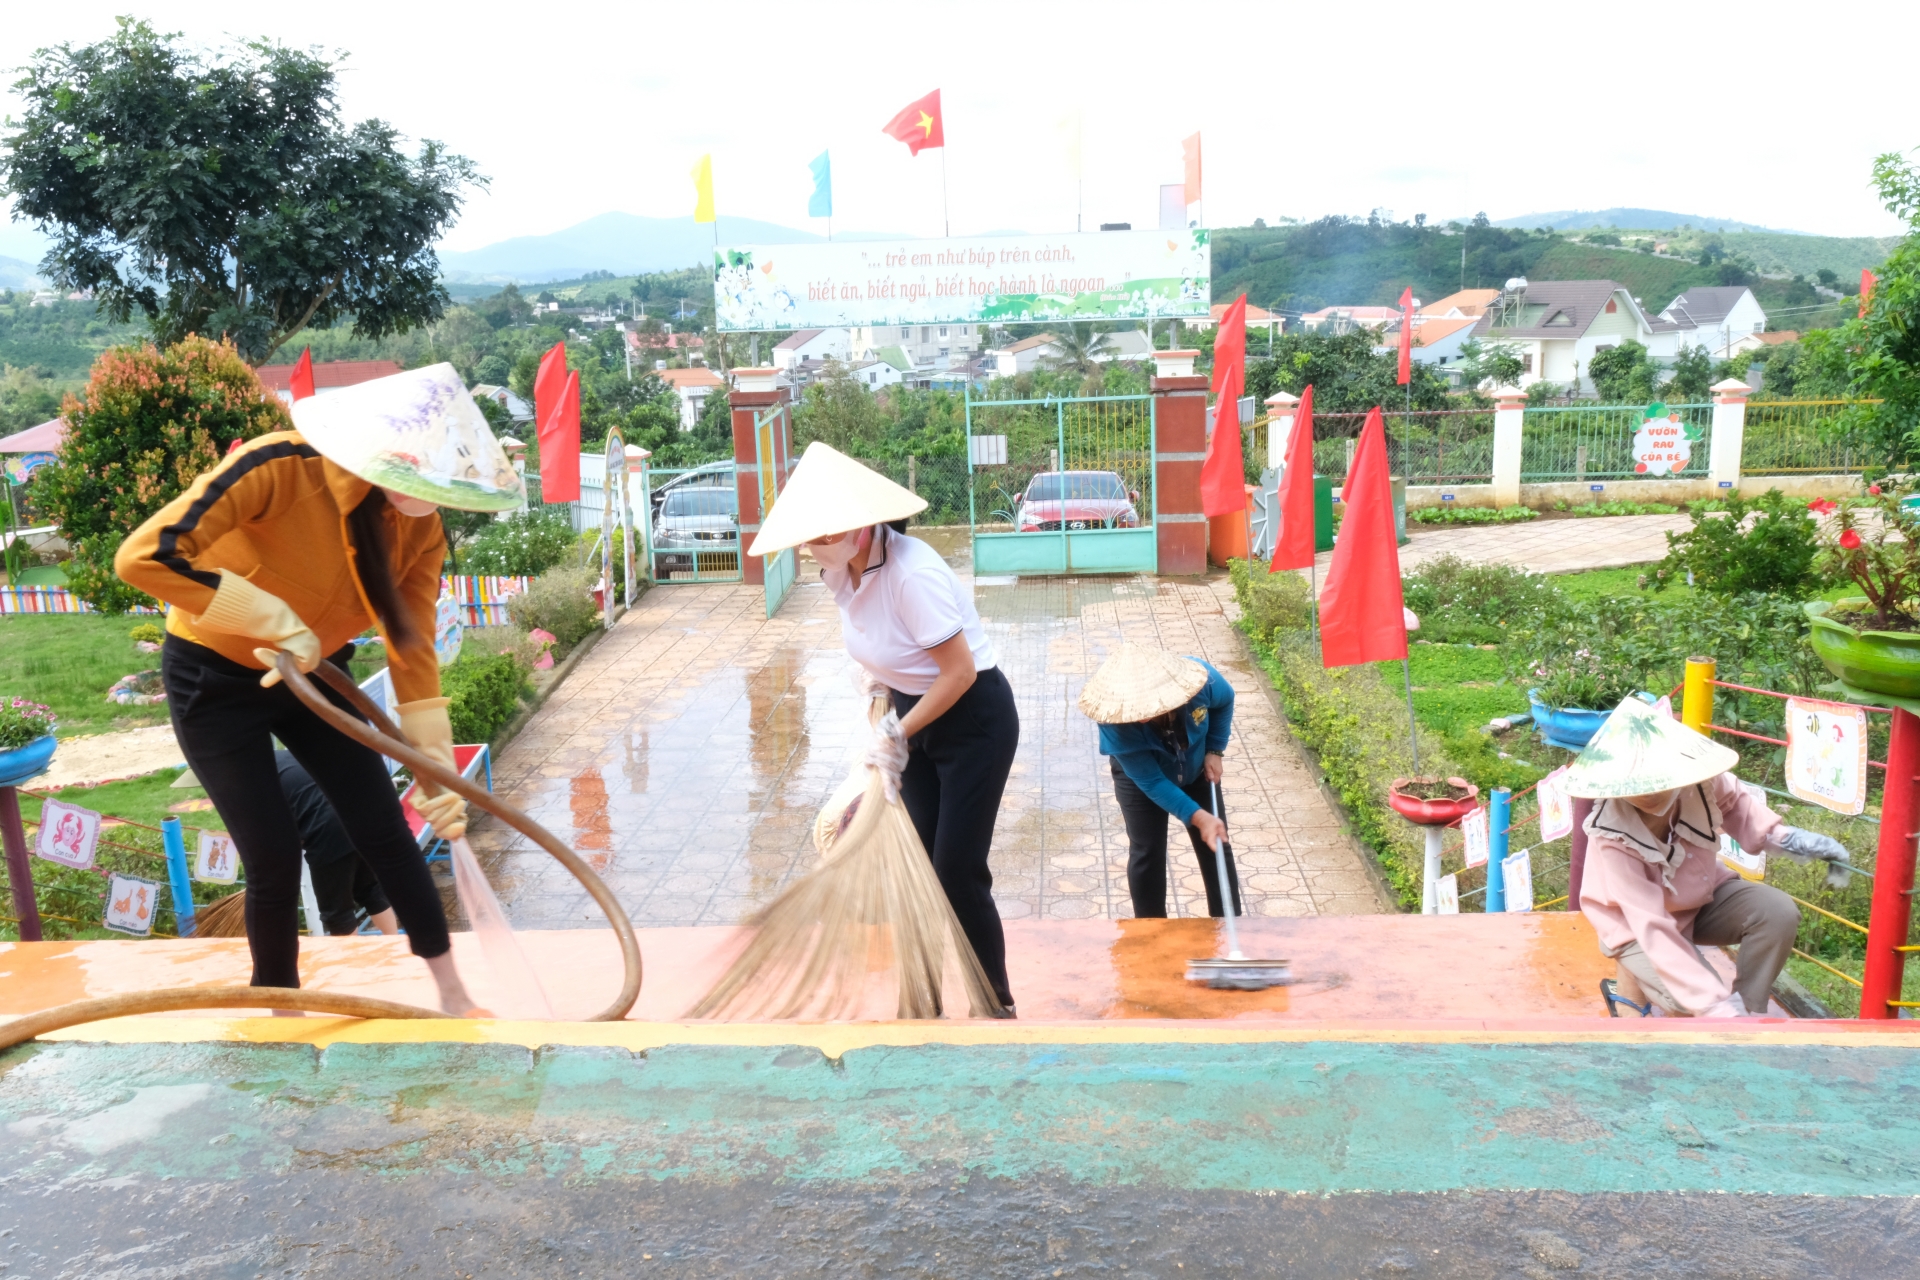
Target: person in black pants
{"x": 344, "y": 885}
{"x": 1164, "y": 722}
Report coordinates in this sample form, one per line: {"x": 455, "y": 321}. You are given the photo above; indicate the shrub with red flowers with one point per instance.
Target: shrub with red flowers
{"x": 1874, "y": 541}
{"x": 148, "y": 422}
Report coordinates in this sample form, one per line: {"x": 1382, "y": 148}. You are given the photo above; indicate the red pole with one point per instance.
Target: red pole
{"x": 1892, "y": 912}
{"x": 19, "y": 870}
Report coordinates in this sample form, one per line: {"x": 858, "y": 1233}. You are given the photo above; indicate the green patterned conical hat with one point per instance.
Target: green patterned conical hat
{"x": 417, "y": 433}
{"x": 1638, "y": 751}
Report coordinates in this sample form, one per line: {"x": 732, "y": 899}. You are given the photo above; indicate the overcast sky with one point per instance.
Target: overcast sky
{"x": 1751, "y": 111}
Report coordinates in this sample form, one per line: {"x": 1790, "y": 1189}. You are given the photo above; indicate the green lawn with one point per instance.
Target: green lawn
{"x": 68, "y": 661}
{"x": 148, "y": 799}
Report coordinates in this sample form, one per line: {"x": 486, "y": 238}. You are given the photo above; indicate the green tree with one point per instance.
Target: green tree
{"x": 221, "y": 194}
{"x": 1884, "y": 346}
{"x": 27, "y": 399}
{"x": 1622, "y": 374}
{"x": 1350, "y": 373}
{"x": 1078, "y": 348}
{"x": 841, "y": 412}
{"x": 1491, "y": 364}
{"x": 148, "y": 422}
{"x": 1692, "y": 376}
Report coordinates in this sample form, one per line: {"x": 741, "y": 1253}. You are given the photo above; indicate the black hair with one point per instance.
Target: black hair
{"x": 374, "y": 563}
{"x": 898, "y": 526}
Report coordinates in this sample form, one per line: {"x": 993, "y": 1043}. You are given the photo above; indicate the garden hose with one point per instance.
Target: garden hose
{"x": 385, "y": 737}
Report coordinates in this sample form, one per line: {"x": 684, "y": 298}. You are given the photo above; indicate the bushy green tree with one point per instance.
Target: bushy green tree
{"x": 221, "y": 194}
{"x": 1492, "y": 364}
{"x": 1692, "y": 377}
{"x": 148, "y": 422}
{"x": 1766, "y": 544}
{"x": 1350, "y": 372}
{"x": 840, "y": 412}
{"x": 1622, "y": 374}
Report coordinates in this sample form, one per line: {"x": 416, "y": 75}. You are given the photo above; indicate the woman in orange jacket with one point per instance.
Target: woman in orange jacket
{"x": 296, "y": 543}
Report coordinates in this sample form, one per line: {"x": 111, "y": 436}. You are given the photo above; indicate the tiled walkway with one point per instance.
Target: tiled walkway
{"x": 1544, "y": 546}
{"x": 688, "y": 754}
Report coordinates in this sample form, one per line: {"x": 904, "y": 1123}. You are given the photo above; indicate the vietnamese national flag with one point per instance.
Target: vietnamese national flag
{"x": 1293, "y": 548}
{"x": 560, "y": 446}
{"x": 549, "y": 383}
{"x": 1406, "y": 335}
{"x": 1223, "y": 476}
{"x": 302, "y": 379}
{"x": 1867, "y": 281}
{"x": 1362, "y": 614}
{"x": 919, "y": 124}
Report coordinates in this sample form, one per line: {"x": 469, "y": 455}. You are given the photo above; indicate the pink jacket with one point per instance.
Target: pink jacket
{"x": 1638, "y": 888}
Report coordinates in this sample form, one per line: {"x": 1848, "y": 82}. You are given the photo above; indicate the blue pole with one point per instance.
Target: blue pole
{"x": 177, "y": 876}
{"x": 1499, "y": 818}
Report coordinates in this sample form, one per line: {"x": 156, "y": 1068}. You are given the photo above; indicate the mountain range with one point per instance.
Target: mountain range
{"x": 1631, "y": 220}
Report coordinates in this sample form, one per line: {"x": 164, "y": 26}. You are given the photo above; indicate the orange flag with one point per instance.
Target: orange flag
{"x": 1362, "y": 613}
{"x": 560, "y": 445}
{"x": 549, "y": 383}
{"x": 302, "y": 379}
{"x": 919, "y": 124}
{"x": 1293, "y": 548}
{"x": 1223, "y": 476}
{"x": 1867, "y": 281}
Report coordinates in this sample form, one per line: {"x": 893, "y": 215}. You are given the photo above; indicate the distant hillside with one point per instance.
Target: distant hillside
{"x": 622, "y": 243}
{"x": 15, "y": 274}
{"x": 1629, "y": 220}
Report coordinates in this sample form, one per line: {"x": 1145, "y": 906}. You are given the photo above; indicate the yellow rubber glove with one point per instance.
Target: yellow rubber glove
{"x": 241, "y": 609}
{"x": 427, "y": 726}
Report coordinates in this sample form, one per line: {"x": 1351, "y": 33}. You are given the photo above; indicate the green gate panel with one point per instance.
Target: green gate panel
{"x": 1113, "y": 551}
{"x": 1019, "y": 553}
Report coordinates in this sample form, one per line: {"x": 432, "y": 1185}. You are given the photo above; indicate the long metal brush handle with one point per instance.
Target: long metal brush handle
{"x": 1226, "y": 886}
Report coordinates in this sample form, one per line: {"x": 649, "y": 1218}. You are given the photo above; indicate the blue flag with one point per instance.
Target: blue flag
{"x": 821, "y": 205}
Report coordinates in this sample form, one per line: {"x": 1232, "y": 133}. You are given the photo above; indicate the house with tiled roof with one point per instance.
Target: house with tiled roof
{"x": 693, "y": 386}
{"x": 328, "y": 375}
{"x": 1436, "y": 341}
{"x": 1467, "y": 302}
{"x": 1556, "y": 327}
{"x": 812, "y": 344}
{"x": 1344, "y": 319}
{"x": 1726, "y": 319}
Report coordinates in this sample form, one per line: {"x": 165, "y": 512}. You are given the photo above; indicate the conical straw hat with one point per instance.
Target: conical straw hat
{"x": 1138, "y": 683}
{"x": 1638, "y": 751}
{"x": 417, "y": 433}
{"x": 830, "y": 493}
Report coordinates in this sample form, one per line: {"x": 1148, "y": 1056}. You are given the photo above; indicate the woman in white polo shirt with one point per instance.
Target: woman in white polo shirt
{"x": 912, "y": 627}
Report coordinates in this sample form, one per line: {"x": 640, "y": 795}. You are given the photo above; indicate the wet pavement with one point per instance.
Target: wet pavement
{"x": 688, "y": 753}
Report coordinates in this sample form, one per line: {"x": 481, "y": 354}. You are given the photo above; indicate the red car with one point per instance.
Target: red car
{"x": 1080, "y": 499}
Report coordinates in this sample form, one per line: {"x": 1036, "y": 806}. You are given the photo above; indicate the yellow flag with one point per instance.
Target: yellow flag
{"x": 703, "y": 189}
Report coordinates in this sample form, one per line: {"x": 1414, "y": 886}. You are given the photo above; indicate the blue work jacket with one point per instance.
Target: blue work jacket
{"x": 1205, "y": 721}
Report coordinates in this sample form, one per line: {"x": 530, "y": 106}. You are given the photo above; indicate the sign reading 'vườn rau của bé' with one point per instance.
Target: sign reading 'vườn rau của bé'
{"x": 1110, "y": 275}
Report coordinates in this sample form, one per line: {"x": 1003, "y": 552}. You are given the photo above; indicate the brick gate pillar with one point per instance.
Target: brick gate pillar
{"x": 754, "y": 392}
{"x": 1180, "y": 446}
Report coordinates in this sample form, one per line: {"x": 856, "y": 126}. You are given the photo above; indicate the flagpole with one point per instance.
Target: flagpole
{"x": 1413, "y": 727}
{"x": 946, "y": 219}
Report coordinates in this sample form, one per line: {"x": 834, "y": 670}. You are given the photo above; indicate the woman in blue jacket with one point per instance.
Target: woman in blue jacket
{"x": 1164, "y": 721}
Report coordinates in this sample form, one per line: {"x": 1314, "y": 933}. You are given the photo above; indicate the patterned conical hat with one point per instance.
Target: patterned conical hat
{"x": 1139, "y": 683}
{"x": 1638, "y": 751}
{"x": 417, "y": 433}
{"x": 830, "y": 493}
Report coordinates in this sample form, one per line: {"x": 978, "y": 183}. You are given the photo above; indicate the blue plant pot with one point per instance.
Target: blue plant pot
{"x": 26, "y": 762}
{"x": 1569, "y": 728}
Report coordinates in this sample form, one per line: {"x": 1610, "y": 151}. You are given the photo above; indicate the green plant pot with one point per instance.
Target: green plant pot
{"x": 1878, "y": 661}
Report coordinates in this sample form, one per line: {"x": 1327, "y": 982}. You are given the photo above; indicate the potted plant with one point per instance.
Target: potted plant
{"x": 1871, "y": 641}
{"x": 26, "y": 740}
{"x": 1432, "y": 802}
{"x": 1577, "y": 692}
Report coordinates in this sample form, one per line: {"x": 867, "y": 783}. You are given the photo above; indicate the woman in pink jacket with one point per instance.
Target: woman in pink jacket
{"x": 1655, "y": 889}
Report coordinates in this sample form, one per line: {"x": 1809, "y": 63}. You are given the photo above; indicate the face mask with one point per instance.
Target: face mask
{"x": 1655, "y": 808}
{"x": 408, "y": 506}
{"x": 839, "y": 553}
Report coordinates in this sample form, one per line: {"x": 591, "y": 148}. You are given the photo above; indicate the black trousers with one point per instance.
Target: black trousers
{"x": 348, "y": 892}
{"x": 952, "y": 787}
{"x": 1147, "y": 848}
{"x": 226, "y": 724}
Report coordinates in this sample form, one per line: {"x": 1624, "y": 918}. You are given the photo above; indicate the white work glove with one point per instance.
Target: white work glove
{"x": 429, "y": 728}
{"x": 868, "y": 685}
{"x": 887, "y": 751}
{"x": 241, "y": 609}
{"x": 1732, "y": 1007}
{"x": 1810, "y": 846}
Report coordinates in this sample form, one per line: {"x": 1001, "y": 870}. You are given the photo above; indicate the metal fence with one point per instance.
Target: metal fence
{"x": 1805, "y": 437}
{"x": 1595, "y": 442}
{"x": 1428, "y": 446}
{"x": 941, "y": 480}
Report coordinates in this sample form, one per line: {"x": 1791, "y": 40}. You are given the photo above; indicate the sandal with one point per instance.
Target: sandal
{"x": 1614, "y": 1000}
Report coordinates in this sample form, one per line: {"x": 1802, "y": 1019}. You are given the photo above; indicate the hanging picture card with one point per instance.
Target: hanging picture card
{"x": 1473, "y": 830}
{"x": 1751, "y": 866}
{"x": 68, "y": 834}
{"x": 130, "y": 904}
{"x": 1556, "y": 806}
{"x": 1827, "y": 754}
{"x": 1446, "y": 892}
{"x": 1517, "y": 873}
{"x": 216, "y": 862}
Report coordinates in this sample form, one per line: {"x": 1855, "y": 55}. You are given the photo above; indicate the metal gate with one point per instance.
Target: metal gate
{"x": 773, "y": 451}
{"x": 1062, "y": 486}
{"x": 691, "y": 522}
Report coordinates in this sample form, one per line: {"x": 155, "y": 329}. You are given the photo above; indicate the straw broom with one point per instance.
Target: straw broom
{"x": 873, "y": 903}
{"x": 222, "y": 918}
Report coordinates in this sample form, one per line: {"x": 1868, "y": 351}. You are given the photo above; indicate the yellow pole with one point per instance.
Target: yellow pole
{"x": 1696, "y": 708}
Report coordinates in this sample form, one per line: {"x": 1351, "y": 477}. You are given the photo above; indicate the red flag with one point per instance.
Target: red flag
{"x": 1293, "y": 548}
{"x": 1867, "y": 281}
{"x": 549, "y": 382}
{"x": 1406, "y": 336}
{"x": 302, "y": 379}
{"x": 560, "y": 446}
{"x": 919, "y": 124}
{"x": 1223, "y": 476}
{"x": 1362, "y": 614}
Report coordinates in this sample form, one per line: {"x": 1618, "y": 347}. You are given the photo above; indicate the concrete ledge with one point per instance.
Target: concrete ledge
{"x": 1542, "y": 496}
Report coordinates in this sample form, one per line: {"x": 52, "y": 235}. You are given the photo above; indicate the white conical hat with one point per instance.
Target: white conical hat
{"x": 830, "y": 493}
{"x": 417, "y": 433}
{"x": 1138, "y": 684}
{"x": 1638, "y": 751}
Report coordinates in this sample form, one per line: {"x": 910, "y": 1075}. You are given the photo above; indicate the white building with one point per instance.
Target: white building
{"x": 693, "y": 386}
{"x": 1436, "y": 341}
{"x": 813, "y": 344}
{"x": 929, "y": 347}
{"x": 889, "y": 368}
{"x": 1726, "y": 320}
